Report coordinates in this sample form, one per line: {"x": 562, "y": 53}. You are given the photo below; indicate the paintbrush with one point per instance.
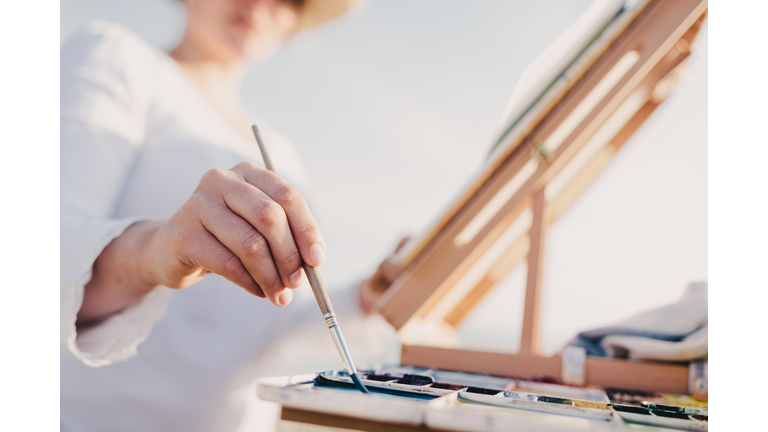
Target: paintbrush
{"x": 321, "y": 295}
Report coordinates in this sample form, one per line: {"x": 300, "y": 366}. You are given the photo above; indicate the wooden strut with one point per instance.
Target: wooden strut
{"x": 616, "y": 373}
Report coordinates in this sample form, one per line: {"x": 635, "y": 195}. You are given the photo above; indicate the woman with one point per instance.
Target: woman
{"x": 162, "y": 183}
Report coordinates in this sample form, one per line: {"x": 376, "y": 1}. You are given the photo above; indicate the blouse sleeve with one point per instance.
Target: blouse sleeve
{"x": 106, "y": 93}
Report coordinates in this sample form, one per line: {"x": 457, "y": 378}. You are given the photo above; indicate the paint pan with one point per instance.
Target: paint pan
{"x": 683, "y": 400}
{"x": 373, "y": 386}
{"x": 674, "y": 408}
{"x": 414, "y": 385}
{"x": 483, "y": 391}
{"x": 560, "y": 390}
{"x": 555, "y": 400}
{"x": 674, "y": 418}
{"x": 447, "y": 386}
{"x": 632, "y": 397}
{"x": 469, "y": 379}
{"x": 590, "y": 404}
{"x": 632, "y": 409}
{"x": 537, "y": 403}
{"x": 670, "y": 414}
{"x": 416, "y": 380}
{"x": 380, "y": 378}
{"x": 519, "y": 395}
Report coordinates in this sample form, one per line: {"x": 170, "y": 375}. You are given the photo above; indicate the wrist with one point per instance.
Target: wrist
{"x": 144, "y": 245}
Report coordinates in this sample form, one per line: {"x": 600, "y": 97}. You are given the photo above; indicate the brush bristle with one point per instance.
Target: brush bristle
{"x": 358, "y": 383}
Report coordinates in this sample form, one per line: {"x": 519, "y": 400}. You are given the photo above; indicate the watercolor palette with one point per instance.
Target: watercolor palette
{"x": 460, "y": 401}
{"x": 540, "y": 397}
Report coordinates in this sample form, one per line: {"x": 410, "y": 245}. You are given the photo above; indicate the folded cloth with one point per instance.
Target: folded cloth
{"x": 676, "y": 332}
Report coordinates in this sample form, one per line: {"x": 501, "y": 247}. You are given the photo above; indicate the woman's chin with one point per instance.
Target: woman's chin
{"x": 258, "y": 54}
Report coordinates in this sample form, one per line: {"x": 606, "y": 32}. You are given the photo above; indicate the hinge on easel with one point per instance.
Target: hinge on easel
{"x": 540, "y": 152}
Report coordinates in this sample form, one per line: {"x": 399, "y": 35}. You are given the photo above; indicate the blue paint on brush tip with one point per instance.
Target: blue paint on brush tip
{"x": 358, "y": 383}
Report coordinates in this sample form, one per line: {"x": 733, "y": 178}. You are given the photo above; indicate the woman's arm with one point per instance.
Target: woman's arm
{"x": 119, "y": 277}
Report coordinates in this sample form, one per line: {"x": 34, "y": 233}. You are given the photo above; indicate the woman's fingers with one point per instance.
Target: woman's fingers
{"x": 269, "y": 219}
{"x": 302, "y": 224}
{"x": 261, "y": 212}
{"x": 249, "y": 246}
{"x": 207, "y": 252}
{"x": 262, "y": 229}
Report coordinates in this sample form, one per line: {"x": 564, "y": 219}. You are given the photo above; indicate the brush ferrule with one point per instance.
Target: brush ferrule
{"x": 341, "y": 345}
{"x": 330, "y": 320}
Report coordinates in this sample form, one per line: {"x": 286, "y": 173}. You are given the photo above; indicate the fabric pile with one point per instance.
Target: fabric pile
{"x": 676, "y": 332}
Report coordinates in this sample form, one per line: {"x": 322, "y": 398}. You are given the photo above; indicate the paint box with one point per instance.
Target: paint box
{"x": 431, "y": 397}
{"x": 422, "y": 394}
{"x": 427, "y": 384}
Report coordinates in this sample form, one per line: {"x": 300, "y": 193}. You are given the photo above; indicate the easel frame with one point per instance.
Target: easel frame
{"x": 609, "y": 96}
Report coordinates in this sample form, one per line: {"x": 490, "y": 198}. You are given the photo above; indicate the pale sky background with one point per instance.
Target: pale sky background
{"x": 393, "y": 108}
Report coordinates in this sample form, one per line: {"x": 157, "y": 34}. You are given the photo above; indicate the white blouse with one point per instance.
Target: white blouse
{"x": 136, "y": 137}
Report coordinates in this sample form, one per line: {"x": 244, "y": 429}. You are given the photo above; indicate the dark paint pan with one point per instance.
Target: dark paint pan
{"x": 670, "y": 414}
{"x": 416, "y": 380}
{"x": 447, "y": 386}
{"x": 661, "y": 407}
{"x": 382, "y": 378}
{"x": 322, "y": 381}
{"x": 484, "y": 391}
{"x": 631, "y": 409}
{"x": 554, "y": 400}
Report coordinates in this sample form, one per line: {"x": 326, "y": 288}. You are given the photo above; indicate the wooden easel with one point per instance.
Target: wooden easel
{"x": 538, "y": 169}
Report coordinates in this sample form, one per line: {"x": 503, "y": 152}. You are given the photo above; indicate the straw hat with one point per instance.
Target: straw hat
{"x": 315, "y": 12}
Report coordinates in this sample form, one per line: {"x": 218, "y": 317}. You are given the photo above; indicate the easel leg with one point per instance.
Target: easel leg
{"x": 529, "y": 340}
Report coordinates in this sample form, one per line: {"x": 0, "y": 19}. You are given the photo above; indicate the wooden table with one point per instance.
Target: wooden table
{"x": 297, "y": 420}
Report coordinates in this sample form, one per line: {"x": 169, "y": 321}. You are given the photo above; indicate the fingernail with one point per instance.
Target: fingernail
{"x": 285, "y": 298}
{"x": 317, "y": 254}
{"x": 296, "y": 279}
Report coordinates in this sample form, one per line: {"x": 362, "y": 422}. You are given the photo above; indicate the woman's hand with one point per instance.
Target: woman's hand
{"x": 245, "y": 224}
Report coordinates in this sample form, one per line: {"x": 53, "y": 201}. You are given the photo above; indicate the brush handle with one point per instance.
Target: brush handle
{"x": 315, "y": 281}
{"x": 318, "y": 288}
{"x": 321, "y": 295}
